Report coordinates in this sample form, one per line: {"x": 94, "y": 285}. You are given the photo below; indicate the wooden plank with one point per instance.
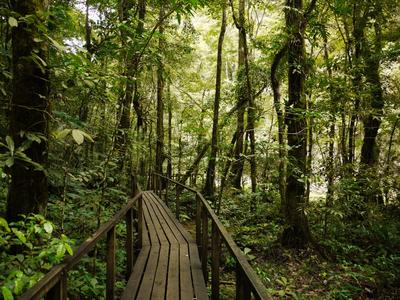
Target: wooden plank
{"x": 162, "y": 238}
{"x": 178, "y": 225}
{"x": 173, "y": 273}
{"x": 185, "y": 275}
{"x": 160, "y": 280}
{"x": 146, "y": 286}
{"x": 150, "y": 226}
{"x": 110, "y": 264}
{"x": 170, "y": 219}
{"x": 137, "y": 274}
{"x": 198, "y": 280}
{"x": 199, "y": 285}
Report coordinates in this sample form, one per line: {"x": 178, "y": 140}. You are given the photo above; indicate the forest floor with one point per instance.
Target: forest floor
{"x": 363, "y": 260}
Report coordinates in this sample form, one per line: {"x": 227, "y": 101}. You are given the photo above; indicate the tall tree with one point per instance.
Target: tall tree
{"x": 242, "y": 101}
{"x": 160, "y": 101}
{"x": 369, "y": 152}
{"x": 29, "y": 115}
{"x": 210, "y": 178}
{"x": 297, "y": 233}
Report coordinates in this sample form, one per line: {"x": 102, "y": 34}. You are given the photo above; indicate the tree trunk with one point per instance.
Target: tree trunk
{"x": 29, "y": 112}
{"x": 160, "y": 103}
{"x": 132, "y": 65}
{"x": 210, "y": 178}
{"x": 281, "y": 122}
{"x": 369, "y": 150}
{"x": 169, "y": 166}
{"x": 297, "y": 233}
{"x": 238, "y": 162}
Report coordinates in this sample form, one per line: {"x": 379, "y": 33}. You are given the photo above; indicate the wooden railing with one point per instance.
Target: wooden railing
{"x": 247, "y": 282}
{"x": 54, "y": 284}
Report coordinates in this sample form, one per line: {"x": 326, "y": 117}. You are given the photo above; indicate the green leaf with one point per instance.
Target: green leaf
{"x": 4, "y": 224}
{"x": 19, "y": 284}
{"x": 12, "y": 22}
{"x": 69, "y": 249}
{"x": 59, "y": 47}
{"x": 48, "y": 227}
{"x": 20, "y": 235}
{"x": 86, "y": 135}
{"x": 78, "y": 136}
{"x": 60, "y": 250}
{"x": 7, "y": 294}
{"x": 10, "y": 144}
{"x": 9, "y": 162}
{"x": 61, "y": 134}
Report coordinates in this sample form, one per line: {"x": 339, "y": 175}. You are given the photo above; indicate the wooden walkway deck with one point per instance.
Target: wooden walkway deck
{"x": 170, "y": 265}
{"x": 168, "y": 262}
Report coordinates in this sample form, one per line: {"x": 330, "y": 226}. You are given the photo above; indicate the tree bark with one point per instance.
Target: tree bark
{"x": 281, "y": 121}
{"x": 238, "y": 162}
{"x": 130, "y": 94}
{"x": 370, "y": 150}
{"x": 29, "y": 112}
{"x": 209, "y": 187}
{"x": 160, "y": 103}
{"x": 297, "y": 233}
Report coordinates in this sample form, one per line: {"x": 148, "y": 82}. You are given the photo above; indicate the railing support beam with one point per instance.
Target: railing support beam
{"x": 110, "y": 264}
{"x": 215, "y": 263}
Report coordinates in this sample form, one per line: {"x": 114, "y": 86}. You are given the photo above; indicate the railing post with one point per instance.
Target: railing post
{"x": 129, "y": 243}
{"x": 134, "y": 190}
{"x": 242, "y": 286}
{"x": 166, "y": 192}
{"x": 215, "y": 261}
{"x": 110, "y": 264}
{"x": 204, "y": 244}
{"x": 198, "y": 220}
{"x": 177, "y": 203}
{"x": 140, "y": 221}
{"x": 59, "y": 291}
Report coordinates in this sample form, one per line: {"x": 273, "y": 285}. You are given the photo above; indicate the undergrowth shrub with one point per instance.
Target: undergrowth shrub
{"x": 28, "y": 249}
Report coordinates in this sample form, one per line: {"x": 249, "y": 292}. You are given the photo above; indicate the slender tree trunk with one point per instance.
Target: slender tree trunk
{"x": 243, "y": 93}
{"x": 297, "y": 233}
{"x": 160, "y": 103}
{"x": 210, "y": 177}
{"x": 358, "y": 37}
{"x": 330, "y": 165}
{"x": 281, "y": 122}
{"x": 169, "y": 166}
{"x": 29, "y": 112}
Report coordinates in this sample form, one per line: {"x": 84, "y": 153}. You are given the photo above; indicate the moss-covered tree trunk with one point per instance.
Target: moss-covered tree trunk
{"x": 370, "y": 151}
{"x": 29, "y": 113}
{"x": 296, "y": 233}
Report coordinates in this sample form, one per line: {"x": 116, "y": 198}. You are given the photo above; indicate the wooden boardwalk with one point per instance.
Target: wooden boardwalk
{"x": 168, "y": 262}
{"x": 169, "y": 265}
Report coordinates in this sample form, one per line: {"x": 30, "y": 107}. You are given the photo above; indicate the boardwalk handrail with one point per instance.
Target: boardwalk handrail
{"x": 247, "y": 280}
{"x": 54, "y": 283}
